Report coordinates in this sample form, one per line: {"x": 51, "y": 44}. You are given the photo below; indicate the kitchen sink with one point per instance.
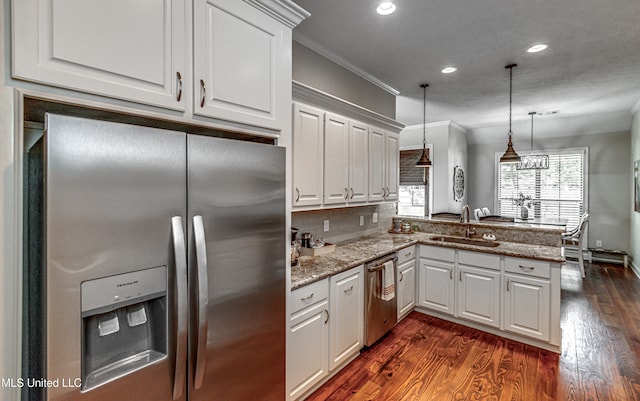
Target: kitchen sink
{"x": 463, "y": 240}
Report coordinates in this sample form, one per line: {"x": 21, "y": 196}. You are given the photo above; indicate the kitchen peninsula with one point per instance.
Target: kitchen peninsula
{"x": 509, "y": 287}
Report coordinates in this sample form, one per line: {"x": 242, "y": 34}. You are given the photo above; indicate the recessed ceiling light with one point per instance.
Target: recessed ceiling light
{"x": 537, "y": 48}
{"x": 449, "y": 70}
{"x": 386, "y": 8}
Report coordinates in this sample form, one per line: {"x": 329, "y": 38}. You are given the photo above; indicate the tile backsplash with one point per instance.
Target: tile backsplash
{"x": 344, "y": 223}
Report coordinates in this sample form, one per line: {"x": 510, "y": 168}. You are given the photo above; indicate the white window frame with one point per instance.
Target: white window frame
{"x": 431, "y": 156}
{"x": 585, "y": 175}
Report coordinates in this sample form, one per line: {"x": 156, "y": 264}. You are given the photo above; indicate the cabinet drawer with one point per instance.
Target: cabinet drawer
{"x": 529, "y": 267}
{"x": 309, "y": 295}
{"x": 438, "y": 253}
{"x": 479, "y": 259}
{"x": 406, "y": 254}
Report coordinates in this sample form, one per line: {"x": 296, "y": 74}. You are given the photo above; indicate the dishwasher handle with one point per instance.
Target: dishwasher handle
{"x": 379, "y": 266}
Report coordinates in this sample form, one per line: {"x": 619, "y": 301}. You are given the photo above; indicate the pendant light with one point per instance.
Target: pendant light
{"x": 533, "y": 161}
{"x": 510, "y": 155}
{"x": 424, "y": 159}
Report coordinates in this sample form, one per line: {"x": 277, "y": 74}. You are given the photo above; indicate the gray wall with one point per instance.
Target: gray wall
{"x": 344, "y": 223}
{"x": 635, "y": 216}
{"x": 608, "y": 182}
{"x": 314, "y": 70}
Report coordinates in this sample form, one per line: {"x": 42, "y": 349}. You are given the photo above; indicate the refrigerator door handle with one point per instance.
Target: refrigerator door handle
{"x": 180, "y": 254}
{"x": 203, "y": 299}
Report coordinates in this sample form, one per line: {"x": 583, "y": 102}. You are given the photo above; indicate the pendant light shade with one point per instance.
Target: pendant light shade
{"x": 510, "y": 155}
{"x": 424, "y": 160}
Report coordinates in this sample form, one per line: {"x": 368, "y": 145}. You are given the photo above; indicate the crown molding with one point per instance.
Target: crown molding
{"x": 448, "y": 123}
{"x": 285, "y": 11}
{"x": 310, "y": 44}
{"x": 307, "y": 94}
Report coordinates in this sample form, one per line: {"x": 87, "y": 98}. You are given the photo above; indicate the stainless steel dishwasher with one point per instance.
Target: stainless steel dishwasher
{"x": 380, "y": 315}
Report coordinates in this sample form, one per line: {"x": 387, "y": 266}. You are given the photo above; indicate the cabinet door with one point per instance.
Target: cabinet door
{"x": 307, "y": 349}
{"x": 308, "y": 128}
{"x": 240, "y": 68}
{"x": 377, "y": 160}
{"x": 437, "y": 286}
{"x": 479, "y": 295}
{"x": 527, "y": 306}
{"x": 336, "y": 159}
{"x": 358, "y": 162}
{"x": 392, "y": 166}
{"x": 406, "y": 288}
{"x": 347, "y": 316}
{"x": 131, "y": 50}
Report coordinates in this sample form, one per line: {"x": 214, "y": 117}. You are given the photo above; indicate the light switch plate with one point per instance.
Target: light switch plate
{"x": 375, "y": 217}
{"x": 326, "y": 226}
{"x": 361, "y": 220}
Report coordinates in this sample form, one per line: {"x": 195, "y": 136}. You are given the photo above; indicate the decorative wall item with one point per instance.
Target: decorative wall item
{"x": 636, "y": 180}
{"x": 458, "y": 184}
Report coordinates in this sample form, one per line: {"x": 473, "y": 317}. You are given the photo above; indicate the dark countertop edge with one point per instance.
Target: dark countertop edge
{"x": 490, "y": 250}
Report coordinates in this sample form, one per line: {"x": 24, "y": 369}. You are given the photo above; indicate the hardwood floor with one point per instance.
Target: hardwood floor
{"x": 425, "y": 358}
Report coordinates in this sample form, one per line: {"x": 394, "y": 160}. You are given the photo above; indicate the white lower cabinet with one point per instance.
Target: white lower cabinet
{"x": 308, "y": 342}
{"x": 406, "y": 281}
{"x": 326, "y": 329}
{"x": 346, "y": 303}
{"x": 515, "y": 297}
{"x": 478, "y": 288}
{"x": 437, "y": 284}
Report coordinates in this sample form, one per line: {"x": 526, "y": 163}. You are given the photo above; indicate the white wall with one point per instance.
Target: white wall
{"x": 9, "y": 274}
{"x": 609, "y": 177}
{"x": 449, "y": 149}
{"x": 635, "y": 216}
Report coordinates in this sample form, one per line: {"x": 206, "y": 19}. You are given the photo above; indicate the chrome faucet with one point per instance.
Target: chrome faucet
{"x": 464, "y": 218}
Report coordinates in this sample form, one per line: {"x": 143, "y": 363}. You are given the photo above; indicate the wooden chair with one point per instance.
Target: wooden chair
{"x": 573, "y": 240}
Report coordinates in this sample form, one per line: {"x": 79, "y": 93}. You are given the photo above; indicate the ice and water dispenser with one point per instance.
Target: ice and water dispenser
{"x": 124, "y": 324}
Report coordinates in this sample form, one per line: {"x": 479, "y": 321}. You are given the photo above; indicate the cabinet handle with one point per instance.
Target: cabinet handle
{"x": 527, "y": 268}
{"x": 179, "y": 81}
{"x": 297, "y": 194}
{"x": 401, "y": 276}
{"x": 388, "y": 192}
{"x": 351, "y": 197}
{"x": 349, "y": 289}
{"x": 406, "y": 255}
{"x": 203, "y": 93}
{"x": 346, "y": 193}
{"x": 307, "y": 297}
{"x": 508, "y": 285}
{"x": 327, "y": 311}
{"x": 384, "y": 192}
{"x": 459, "y": 274}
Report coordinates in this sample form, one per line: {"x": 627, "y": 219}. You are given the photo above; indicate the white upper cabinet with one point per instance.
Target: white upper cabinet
{"x": 130, "y": 50}
{"x": 240, "y": 63}
{"x": 358, "y": 162}
{"x": 336, "y": 159}
{"x": 384, "y": 165}
{"x": 307, "y": 155}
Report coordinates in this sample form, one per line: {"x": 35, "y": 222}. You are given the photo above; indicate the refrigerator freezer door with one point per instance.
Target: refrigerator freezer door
{"x": 239, "y": 190}
{"x": 111, "y": 192}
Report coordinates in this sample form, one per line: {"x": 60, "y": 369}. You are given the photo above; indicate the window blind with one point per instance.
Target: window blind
{"x": 409, "y": 173}
{"x": 556, "y": 192}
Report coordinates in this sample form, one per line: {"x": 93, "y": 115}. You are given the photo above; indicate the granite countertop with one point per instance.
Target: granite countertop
{"x": 356, "y": 252}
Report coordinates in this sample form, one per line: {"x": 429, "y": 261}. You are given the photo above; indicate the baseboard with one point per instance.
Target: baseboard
{"x": 635, "y": 268}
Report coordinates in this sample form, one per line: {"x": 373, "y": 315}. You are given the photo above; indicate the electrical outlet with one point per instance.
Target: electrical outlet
{"x": 326, "y": 226}
{"x": 375, "y": 217}
{"x": 598, "y": 244}
{"x": 361, "y": 220}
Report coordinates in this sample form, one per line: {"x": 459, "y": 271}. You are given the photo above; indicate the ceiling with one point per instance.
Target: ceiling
{"x": 591, "y": 70}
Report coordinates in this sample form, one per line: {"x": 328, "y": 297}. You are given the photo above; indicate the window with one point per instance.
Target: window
{"x": 413, "y": 195}
{"x": 557, "y": 192}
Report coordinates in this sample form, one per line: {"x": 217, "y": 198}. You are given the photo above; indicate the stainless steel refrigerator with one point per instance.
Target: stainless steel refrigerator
{"x": 156, "y": 265}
